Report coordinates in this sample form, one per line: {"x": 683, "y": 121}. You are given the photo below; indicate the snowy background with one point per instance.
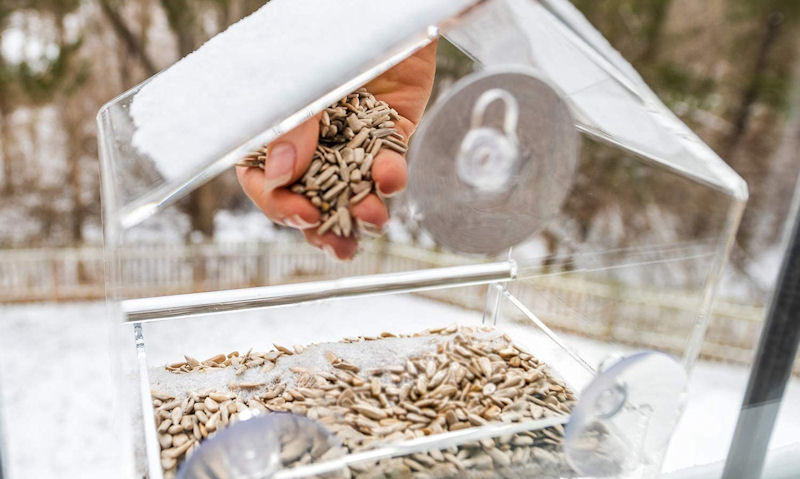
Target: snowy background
{"x": 57, "y": 392}
{"x": 726, "y": 68}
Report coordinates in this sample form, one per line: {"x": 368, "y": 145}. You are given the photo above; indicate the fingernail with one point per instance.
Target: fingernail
{"x": 368, "y": 229}
{"x": 381, "y": 194}
{"x": 279, "y": 166}
{"x": 296, "y": 221}
{"x": 330, "y": 251}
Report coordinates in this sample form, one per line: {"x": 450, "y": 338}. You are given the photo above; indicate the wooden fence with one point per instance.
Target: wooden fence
{"x": 571, "y": 302}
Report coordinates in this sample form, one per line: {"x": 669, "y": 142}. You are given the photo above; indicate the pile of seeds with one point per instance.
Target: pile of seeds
{"x": 352, "y": 133}
{"x": 466, "y": 377}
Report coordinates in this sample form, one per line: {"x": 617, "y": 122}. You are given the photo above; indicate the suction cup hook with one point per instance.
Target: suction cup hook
{"x": 492, "y": 161}
{"x": 489, "y": 157}
{"x": 625, "y": 417}
{"x": 257, "y": 447}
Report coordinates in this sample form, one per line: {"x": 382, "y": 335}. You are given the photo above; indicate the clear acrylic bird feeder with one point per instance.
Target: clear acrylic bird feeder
{"x": 549, "y": 124}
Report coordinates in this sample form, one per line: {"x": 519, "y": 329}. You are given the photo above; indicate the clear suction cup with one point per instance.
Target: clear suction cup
{"x": 258, "y": 447}
{"x": 492, "y": 161}
{"x": 625, "y": 416}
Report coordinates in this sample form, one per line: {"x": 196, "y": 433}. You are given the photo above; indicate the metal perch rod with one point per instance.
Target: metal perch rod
{"x": 165, "y": 307}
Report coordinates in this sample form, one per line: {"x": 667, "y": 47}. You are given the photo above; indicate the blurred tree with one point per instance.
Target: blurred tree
{"x": 635, "y": 27}
{"x": 186, "y": 22}
{"x": 51, "y": 80}
{"x": 202, "y": 204}
{"x": 133, "y": 44}
{"x": 726, "y": 73}
{"x": 189, "y": 26}
{"x": 7, "y": 96}
{"x": 724, "y": 66}
{"x": 773, "y": 17}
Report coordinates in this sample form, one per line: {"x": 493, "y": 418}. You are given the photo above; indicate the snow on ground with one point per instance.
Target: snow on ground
{"x": 57, "y": 390}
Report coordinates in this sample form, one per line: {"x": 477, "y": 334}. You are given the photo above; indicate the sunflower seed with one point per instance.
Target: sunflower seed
{"x": 463, "y": 382}
{"x": 344, "y": 220}
{"x": 328, "y": 224}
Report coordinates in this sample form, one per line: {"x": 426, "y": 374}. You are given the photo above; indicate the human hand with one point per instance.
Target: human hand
{"x": 406, "y": 88}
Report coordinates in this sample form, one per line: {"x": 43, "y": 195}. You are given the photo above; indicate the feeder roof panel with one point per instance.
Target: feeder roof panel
{"x": 608, "y": 98}
{"x": 259, "y": 78}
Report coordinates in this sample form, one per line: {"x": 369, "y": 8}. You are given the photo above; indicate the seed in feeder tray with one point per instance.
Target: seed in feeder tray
{"x": 353, "y": 131}
{"x": 447, "y": 380}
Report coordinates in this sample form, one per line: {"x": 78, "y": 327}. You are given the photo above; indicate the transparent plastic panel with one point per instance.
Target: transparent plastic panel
{"x": 163, "y": 147}
{"x": 384, "y": 378}
{"x": 602, "y": 314}
{"x": 609, "y": 238}
{"x": 609, "y": 101}
{"x": 306, "y": 338}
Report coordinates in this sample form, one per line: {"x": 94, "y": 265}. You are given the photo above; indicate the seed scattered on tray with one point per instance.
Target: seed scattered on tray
{"x": 451, "y": 379}
{"x": 351, "y": 134}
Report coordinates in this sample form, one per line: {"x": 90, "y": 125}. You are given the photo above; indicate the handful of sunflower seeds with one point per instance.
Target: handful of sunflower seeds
{"x": 352, "y": 132}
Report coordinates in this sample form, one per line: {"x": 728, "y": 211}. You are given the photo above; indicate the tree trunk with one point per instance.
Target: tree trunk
{"x": 235, "y": 11}
{"x": 72, "y": 128}
{"x": 181, "y": 18}
{"x": 70, "y": 115}
{"x": 201, "y": 207}
{"x": 6, "y": 133}
{"x": 5, "y": 139}
{"x": 126, "y": 35}
{"x": 751, "y": 91}
{"x": 203, "y": 203}
{"x": 781, "y": 179}
{"x": 654, "y": 31}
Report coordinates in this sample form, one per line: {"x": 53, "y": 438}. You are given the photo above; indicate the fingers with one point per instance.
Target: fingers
{"x": 389, "y": 172}
{"x": 280, "y": 205}
{"x": 407, "y": 87}
{"x": 288, "y": 157}
{"x": 339, "y": 247}
{"x": 371, "y": 215}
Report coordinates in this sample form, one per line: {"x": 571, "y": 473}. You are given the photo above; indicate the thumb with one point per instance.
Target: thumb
{"x": 289, "y": 156}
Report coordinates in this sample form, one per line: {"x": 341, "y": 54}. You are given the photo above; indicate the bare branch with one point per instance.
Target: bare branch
{"x": 125, "y": 34}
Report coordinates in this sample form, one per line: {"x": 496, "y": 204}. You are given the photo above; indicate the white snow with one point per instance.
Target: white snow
{"x": 365, "y": 355}
{"x": 266, "y": 67}
{"x": 248, "y": 226}
{"x": 57, "y": 390}
{"x": 764, "y": 268}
